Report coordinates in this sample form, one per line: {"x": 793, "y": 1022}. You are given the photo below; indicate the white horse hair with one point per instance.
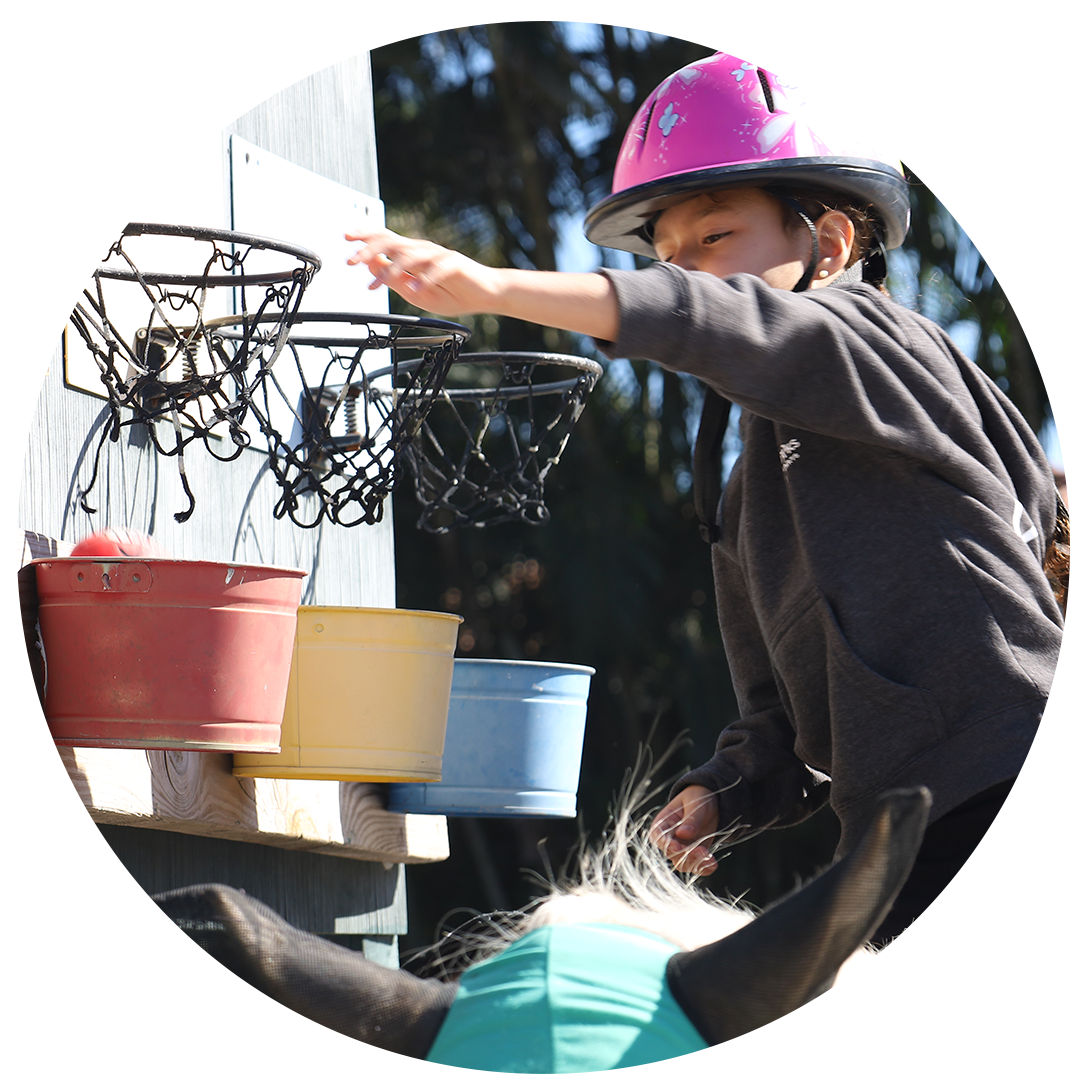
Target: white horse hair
{"x": 621, "y": 879}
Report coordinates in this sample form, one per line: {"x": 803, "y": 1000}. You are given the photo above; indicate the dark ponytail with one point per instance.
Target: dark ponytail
{"x": 1056, "y": 563}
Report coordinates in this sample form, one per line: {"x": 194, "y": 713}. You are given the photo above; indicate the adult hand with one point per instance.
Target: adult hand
{"x": 681, "y": 830}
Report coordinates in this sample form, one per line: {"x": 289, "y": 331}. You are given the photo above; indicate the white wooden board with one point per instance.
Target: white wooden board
{"x": 273, "y": 197}
{"x": 127, "y": 305}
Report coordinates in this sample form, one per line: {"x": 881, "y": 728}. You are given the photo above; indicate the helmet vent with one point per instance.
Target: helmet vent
{"x": 765, "y": 90}
{"x": 652, "y": 109}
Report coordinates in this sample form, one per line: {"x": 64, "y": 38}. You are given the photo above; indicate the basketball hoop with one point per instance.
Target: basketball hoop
{"x": 334, "y": 429}
{"x": 486, "y": 450}
{"x": 167, "y": 367}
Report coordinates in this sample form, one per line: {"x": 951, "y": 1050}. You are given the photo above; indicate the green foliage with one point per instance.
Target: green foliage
{"x": 941, "y": 273}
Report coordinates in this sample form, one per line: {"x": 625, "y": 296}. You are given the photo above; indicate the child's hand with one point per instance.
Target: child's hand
{"x": 691, "y": 817}
{"x": 445, "y": 282}
{"x": 434, "y": 278}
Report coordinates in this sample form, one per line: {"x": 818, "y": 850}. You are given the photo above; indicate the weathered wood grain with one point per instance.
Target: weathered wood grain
{"x": 323, "y": 123}
{"x": 196, "y": 793}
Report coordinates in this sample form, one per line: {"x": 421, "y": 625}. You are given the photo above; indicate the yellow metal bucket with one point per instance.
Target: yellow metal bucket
{"x": 368, "y": 697}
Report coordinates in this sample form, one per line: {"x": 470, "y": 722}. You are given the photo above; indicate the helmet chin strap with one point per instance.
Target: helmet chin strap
{"x": 871, "y": 269}
{"x": 808, "y": 274}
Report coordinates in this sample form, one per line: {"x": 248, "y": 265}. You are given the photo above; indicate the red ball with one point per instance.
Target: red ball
{"x": 119, "y": 541}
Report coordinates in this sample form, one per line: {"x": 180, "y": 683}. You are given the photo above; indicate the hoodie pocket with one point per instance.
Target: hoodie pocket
{"x": 850, "y": 722}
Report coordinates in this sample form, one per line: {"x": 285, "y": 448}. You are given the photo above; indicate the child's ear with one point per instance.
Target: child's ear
{"x": 836, "y": 237}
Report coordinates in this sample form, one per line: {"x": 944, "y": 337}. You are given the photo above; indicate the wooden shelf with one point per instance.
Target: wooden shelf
{"x": 196, "y": 793}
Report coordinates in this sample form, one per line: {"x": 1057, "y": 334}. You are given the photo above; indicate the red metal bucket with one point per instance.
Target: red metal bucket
{"x": 159, "y": 654}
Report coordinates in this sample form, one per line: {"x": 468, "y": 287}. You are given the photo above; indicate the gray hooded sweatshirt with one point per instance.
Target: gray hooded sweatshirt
{"x": 878, "y": 572}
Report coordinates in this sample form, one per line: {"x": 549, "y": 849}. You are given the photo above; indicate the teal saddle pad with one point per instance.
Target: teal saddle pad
{"x": 568, "y": 998}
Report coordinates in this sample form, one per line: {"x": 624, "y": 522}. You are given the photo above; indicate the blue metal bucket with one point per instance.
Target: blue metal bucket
{"x": 514, "y": 737}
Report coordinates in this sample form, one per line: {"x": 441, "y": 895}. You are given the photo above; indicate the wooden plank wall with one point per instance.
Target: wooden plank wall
{"x": 324, "y": 123}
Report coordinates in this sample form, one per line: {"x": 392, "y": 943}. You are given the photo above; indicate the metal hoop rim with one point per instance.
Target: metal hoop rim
{"x": 198, "y": 232}
{"x": 450, "y": 329}
{"x": 581, "y": 363}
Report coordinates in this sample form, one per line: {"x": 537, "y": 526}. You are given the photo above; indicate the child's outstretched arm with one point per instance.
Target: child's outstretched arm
{"x": 679, "y": 829}
{"x": 445, "y": 282}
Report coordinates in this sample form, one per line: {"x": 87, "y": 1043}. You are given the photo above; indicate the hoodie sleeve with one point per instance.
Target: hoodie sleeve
{"x": 760, "y": 781}
{"x": 845, "y": 363}
{"x": 834, "y": 361}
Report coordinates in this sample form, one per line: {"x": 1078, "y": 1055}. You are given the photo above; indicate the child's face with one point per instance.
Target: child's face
{"x": 733, "y": 231}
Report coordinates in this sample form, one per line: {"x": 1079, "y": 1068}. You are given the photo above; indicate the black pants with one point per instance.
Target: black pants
{"x": 982, "y": 872}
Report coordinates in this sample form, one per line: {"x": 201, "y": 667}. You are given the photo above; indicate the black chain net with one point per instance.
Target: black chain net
{"x": 173, "y": 376}
{"x": 350, "y": 426}
{"x": 479, "y": 452}
{"x": 485, "y": 452}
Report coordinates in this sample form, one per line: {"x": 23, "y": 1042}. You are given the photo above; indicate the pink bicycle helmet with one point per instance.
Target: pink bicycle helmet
{"x": 723, "y": 122}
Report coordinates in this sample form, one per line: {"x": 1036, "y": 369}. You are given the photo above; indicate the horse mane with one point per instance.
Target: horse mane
{"x": 619, "y": 878}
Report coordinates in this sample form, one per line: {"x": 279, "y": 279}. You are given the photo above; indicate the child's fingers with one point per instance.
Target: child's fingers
{"x": 390, "y": 247}
{"x": 362, "y": 233}
{"x": 432, "y": 277}
{"x": 703, "y": 817}
{"x": 679, "y": 828}
{"x": 663, "y": 834}
{"x": 672, "y": 831}
{"x": 396, "y": 261}
{"x": 689, "y": 816}
{"x": 392, "y": 274}
{"x": 697, "y": 860}
{"x": 378, "y": 255}
{"x": 666, "y": 820}
{"x": 369, "y": 236}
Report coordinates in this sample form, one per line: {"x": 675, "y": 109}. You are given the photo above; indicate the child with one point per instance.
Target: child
{"x": 885, "y": 552}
